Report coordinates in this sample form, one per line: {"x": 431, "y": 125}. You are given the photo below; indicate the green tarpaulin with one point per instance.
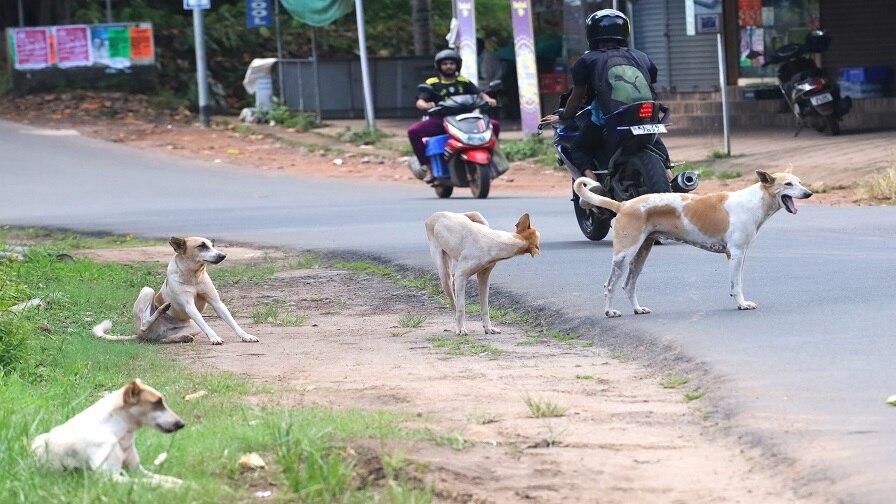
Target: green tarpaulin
{"x": 317, "y": 12}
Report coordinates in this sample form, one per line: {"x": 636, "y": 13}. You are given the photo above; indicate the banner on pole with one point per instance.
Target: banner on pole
{"x": 259, "y": 14}
{"x": 466, "y": 28}
{"x": 526, "y": 69}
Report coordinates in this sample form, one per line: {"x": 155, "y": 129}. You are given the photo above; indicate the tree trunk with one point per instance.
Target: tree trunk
{"x": 420, "y": 18}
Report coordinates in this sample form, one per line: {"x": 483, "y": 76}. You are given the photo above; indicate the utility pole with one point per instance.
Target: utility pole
{"x": 201, "y": 78}
{"x": 365, "y": 71}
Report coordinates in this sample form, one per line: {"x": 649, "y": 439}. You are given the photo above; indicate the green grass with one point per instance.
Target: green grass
{"x": 69, "y": 239}
{"x": 52, "y": 368}
{"x": 277, "y": 313}
{"x": 543, "y": 408}
{"x": 464, "y": 345}
{"x": 693, "y": 396}
{"x": 537, "y": 148}
{"x": 411, "y": 320}
{"x": 674, "y": 381}
{"x": 707, "y": 173}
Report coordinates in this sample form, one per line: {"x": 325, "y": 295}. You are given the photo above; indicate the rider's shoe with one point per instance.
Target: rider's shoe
{"x": 428, "y": 178}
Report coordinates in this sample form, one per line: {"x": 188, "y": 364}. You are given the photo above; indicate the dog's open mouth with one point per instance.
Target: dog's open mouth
{"x": 788, "y": 203}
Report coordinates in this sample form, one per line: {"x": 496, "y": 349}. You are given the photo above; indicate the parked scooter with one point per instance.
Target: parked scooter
{"x": 468, "y": 155}
{"x": 632, "y": 166}
{"x": 813, "y": 97}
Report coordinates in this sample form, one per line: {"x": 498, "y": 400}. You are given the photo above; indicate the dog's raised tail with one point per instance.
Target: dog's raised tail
{"x": 582, "y": 188}
{"x": 100, "y": 329}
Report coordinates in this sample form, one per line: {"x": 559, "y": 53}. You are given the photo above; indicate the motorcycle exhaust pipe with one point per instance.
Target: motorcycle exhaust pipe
{"x": 685, "y": 182}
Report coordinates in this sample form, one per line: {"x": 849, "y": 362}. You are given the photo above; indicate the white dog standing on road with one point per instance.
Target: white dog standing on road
{"x": 174, "y": 314}
{"x": 463, "y": 245}
{"x": 101, "y": 438}
{"x": 723, "y": 222}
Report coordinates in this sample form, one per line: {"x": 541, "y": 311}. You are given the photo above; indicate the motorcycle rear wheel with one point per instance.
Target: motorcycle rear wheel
{"x": 647, "y": 173}
{"x": 594, "y": 227}
{"x": 480, "y": 179}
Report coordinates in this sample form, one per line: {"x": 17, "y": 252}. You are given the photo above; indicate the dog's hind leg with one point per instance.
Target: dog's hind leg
{"x": 634, "y": 271}
{"x": 736, "y": 272}
{"x": 443, "y": 266}
{"x": 460, "y": 296}
{"x": 619, "y": 270}
{"x": 482, "y": 276}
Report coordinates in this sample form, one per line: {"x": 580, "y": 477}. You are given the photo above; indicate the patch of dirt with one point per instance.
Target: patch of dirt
{"x": 623, "y": 437}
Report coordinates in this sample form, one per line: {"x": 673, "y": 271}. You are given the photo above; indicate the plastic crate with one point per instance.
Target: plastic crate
{"x": 872, "y": 74}
{"x": 861, "y": 89}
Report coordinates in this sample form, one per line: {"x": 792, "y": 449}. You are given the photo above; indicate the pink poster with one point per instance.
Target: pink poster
{"x": 32, "y": 48}
{"x": 73, "y": 46}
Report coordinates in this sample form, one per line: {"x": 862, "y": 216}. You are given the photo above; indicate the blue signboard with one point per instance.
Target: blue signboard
{"x": 259, "y": 13}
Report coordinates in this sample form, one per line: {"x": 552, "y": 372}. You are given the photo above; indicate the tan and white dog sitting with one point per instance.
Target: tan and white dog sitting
{"x": 101, "y": 438}
{"x": 463, "y": 245}
{"x": 723, "y": 222}
{"x": 174, "y": 314}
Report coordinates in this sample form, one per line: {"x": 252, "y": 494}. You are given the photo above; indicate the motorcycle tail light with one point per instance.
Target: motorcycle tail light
{"x": 646, "y": 111}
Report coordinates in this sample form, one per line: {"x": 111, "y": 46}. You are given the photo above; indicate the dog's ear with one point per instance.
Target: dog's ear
{"x": 178, "y": 244}
{"x": 765, "y": 178}
{"x": 132, "y": 391}
{"x": 523, "y": 224}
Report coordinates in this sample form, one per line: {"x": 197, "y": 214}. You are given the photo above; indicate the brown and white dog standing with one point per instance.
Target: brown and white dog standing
{"x": 723, "y": 222}
{"x": 463, "y": 245}
{"x": 174, "y": 314}
{"x": 101, "y": 438}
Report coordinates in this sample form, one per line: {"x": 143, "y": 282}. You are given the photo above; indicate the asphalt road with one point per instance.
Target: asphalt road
{"x": 806, "y": 375}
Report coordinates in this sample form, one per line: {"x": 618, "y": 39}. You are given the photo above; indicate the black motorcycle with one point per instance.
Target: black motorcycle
{"x": 633, "y": 167}
{"x": 812, "y": 96}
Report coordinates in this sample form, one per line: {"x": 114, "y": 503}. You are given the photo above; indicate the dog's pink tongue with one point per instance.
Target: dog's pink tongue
{"x": 791, "y": 207}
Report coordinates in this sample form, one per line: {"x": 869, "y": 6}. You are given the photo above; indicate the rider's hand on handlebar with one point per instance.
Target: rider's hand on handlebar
{"x": 549, "y": 119}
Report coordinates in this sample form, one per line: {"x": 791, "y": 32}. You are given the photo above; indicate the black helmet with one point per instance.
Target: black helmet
{"x": 607, "y": 25}
{"x": 817, "y": 41}
{"x": 447, "y": 54}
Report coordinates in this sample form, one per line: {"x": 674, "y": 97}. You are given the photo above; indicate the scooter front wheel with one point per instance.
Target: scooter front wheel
{"x": 480, "y": 179}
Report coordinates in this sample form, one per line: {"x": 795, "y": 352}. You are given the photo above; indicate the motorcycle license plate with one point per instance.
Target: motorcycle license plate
{"x": 648, "y": 129}
{"x": 822, "y": 98}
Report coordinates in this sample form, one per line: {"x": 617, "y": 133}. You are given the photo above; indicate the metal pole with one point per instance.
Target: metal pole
{"x": 314, "y": 73}
{"x": 108, "y": 11}
{"x": 724, "y": 91}
{"x": 21, "y": 14}
{"x": 365, "y": 72}
{"x": 201, "y": 79}
{"x": 279, "y": 49}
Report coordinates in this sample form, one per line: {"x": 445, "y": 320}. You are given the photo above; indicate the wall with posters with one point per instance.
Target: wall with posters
{"x": 50, "y": 56}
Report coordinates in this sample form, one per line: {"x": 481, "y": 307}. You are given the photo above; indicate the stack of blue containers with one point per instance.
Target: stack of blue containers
{"x": 863, "y": 82}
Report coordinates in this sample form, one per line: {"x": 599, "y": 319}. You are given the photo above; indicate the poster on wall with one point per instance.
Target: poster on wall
{"x": 31, "y": 48}
{"x": 116, "y": 46}
{"x": 72, "y": 45}
{"x": 749, "y": 13}
{"x": 752, "y": 46}
{"x": 466, "y": 31}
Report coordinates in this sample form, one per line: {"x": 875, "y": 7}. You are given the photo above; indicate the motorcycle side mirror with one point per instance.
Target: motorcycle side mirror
{"x": 495, "y": 85}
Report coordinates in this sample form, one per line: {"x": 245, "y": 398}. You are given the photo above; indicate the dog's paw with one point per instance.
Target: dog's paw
{"x": 461, "y": 331}
{"x": 216, "y": 340}
{"x": 613, "y": 313}
{"x": 248, "y": 338}
{"x": 163, "y": 309}
{"x": 492, "y": 330}
{"x": 746, "y": 305}
{"x": 641, "y": 310}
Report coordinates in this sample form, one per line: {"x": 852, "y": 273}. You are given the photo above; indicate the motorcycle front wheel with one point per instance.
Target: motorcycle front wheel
{"x": 593, "y": 227}
{"x": 444, "y": 191}
{"x": 833, "y": 124}
{"x": 480, "y": 179}
{"x": 644, "y": 173}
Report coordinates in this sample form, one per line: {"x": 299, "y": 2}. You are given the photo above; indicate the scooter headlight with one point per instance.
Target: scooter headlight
{"x": 474, "y": 139}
